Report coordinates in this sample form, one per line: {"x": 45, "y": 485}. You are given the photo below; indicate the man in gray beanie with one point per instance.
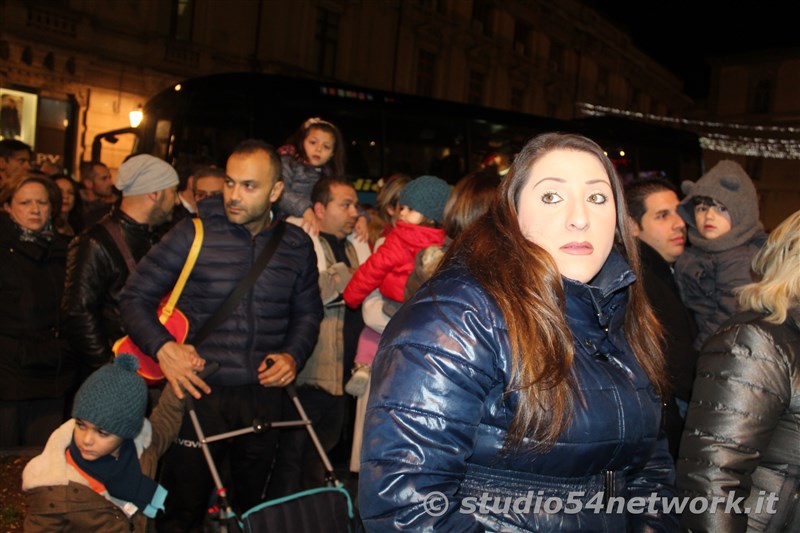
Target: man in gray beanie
{"x": 96, "y": 471}
{"x": 102, "y": 257}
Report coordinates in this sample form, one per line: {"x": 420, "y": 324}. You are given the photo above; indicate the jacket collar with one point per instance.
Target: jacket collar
{"x": 214, "y": 208}
{"x": 131, "y": 225}
{"x": 37, "y": 250}
{"x": 597, "y": 295}
{"x": 653, "y": 260}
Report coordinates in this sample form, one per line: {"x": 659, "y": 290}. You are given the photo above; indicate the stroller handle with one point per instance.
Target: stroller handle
{"x": 210, "y": 369}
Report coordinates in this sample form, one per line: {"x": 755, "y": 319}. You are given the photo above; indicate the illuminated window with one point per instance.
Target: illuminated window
{"x": 182, "y": 19}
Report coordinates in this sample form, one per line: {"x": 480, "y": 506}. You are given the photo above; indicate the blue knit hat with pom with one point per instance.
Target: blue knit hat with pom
{"x": 426, "y": 195}
{"x": 114, "y": 398}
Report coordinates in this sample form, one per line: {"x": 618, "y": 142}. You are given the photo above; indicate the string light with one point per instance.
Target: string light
{"x": 753, "y": 146}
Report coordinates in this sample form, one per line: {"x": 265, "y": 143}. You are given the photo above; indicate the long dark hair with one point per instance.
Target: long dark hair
{"x": 75, "y": 216}
{"x": 530, "y": 293}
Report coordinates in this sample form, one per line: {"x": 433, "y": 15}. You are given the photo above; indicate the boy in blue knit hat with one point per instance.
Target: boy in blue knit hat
{"x": 422, "y": 203}
{"x": 96, "y": 471}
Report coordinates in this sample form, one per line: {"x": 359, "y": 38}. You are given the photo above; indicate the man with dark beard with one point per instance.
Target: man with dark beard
{"x": 101, "y": 258}
{"x": 261, "y": 344}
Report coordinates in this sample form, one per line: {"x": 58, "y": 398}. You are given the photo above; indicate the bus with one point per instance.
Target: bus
{"x": 201, "y": 120}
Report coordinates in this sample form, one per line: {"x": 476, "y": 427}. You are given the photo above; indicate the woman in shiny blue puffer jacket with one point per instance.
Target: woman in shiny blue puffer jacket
{"x": 525, "y": 395}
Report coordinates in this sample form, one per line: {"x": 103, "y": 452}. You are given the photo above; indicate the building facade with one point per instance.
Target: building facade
{"x": 753, "y": 117}
{"x": 75, "y": 68}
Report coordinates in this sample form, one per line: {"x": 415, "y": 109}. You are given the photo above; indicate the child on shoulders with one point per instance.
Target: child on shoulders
{"x": 422, "y": 204}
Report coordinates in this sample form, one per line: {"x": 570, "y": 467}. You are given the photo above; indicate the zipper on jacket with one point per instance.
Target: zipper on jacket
{"x": 251, "y": 323}
{"x": 608, "y": 493}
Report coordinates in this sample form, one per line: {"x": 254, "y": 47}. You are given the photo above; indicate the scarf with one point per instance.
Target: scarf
{"x": 28, "y": 235}
{"x": 123, "y": 478}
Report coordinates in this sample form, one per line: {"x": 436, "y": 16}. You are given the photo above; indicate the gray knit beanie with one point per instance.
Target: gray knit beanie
{"x": 143, "y": 173}
{"x": 114, "y": 398}
{"x": 727, "y": 183}
{"x": 426, "y": 195}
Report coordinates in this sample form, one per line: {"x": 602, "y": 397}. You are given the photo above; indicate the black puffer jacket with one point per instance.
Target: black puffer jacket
{"x": 96, "y": 273}
{"x": 34, "y": 359}
{"x": 742, "y": 431}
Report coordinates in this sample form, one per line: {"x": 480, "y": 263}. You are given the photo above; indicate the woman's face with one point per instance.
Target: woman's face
{"x": 67, "y": 195}
{"x": 30, "y": 206}
{"x": 567, "y": 208}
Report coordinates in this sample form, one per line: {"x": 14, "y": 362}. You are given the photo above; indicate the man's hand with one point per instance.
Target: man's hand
{"x": 279, "y": 373}
{"x": 310, "y": 222}
{"x": 360, "y": 230}
{"x": 180, "y": 364}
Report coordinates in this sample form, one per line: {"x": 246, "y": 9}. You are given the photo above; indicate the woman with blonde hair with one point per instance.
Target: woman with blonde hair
{"x": 520, "y": 388}
{"x": 742, "y": 433}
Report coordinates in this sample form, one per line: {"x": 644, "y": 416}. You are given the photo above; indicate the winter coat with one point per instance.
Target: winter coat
{"x": 299, "y": 178}
{"x": 60, "y": 499}
{"x": 707, "y": 281}
{"x": 325, "y": 367}
{"x": 390, "y": 266}
{"x": 96, "y": 273}
{"x": 709, "y": 270}
{"x": 281, "y": 312}
{"x": 35, "y": 360}
{"x": 439, "y": 413}
{"x": 743, "y": 427}
{"x": 680, "y": 331}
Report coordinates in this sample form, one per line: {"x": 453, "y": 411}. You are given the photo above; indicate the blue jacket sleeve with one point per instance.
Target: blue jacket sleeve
{"x": 656, "y": 477}
{"x": 424, "y": 409}
{"x": 154, "y": 278}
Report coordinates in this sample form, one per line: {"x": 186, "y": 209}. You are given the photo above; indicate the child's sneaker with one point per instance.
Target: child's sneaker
{"x": 357, "y": 385}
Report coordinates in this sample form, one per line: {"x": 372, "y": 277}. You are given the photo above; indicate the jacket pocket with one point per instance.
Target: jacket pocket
{"x": 39, "y": 357}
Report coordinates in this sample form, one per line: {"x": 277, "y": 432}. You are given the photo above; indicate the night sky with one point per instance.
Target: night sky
{"x": 681, "y": 35}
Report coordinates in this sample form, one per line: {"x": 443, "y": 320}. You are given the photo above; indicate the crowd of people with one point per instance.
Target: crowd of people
{"x": 532, "y": 348}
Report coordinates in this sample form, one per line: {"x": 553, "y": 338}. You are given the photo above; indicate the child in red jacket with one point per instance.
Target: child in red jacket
{"x": 421, "y": 210}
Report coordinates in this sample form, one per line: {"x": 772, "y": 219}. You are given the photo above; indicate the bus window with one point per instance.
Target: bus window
{"x": 424, "y": 144}
{"x": 385, "y": 132}
{"x": 161, "y": 142}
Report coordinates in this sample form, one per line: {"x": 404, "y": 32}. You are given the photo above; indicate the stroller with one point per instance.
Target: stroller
{"x": 328, "y": 508}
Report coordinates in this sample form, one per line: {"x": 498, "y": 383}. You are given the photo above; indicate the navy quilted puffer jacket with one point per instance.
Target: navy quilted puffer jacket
{"x": 438, "y": 417}
{"x": 281, "y": 313}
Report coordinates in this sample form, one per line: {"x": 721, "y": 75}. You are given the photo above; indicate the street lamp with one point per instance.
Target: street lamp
{"x": 136, "y": 116}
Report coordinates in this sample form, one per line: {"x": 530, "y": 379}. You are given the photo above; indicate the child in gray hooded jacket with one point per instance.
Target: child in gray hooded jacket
{"x": 721, "y": 212}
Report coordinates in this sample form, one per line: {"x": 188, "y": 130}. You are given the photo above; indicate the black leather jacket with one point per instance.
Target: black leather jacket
{"x": 96, "y": 273}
